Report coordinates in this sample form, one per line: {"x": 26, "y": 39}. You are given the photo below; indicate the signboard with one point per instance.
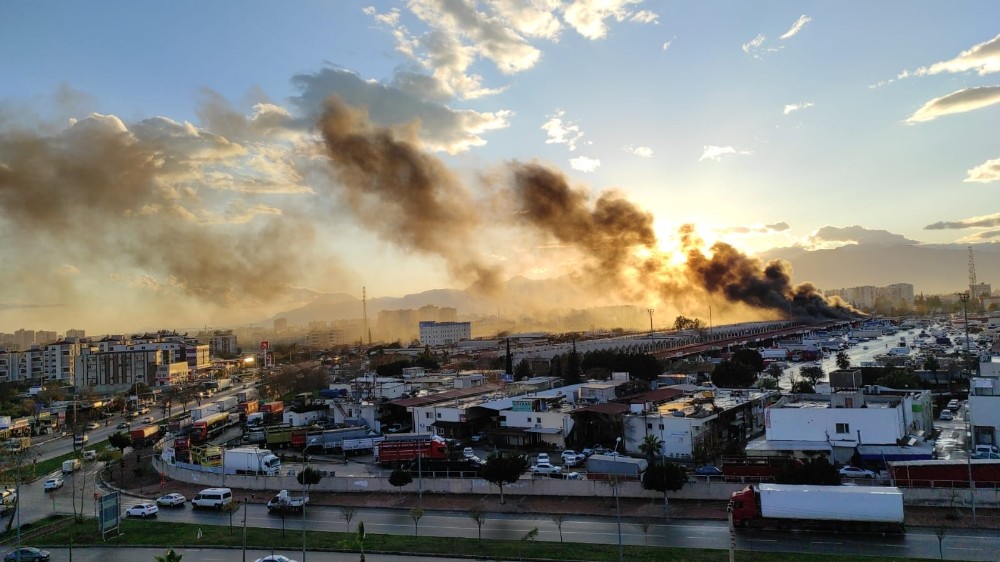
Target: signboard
{"x": 109, "y": 508}
{"x": 265, "y": 345}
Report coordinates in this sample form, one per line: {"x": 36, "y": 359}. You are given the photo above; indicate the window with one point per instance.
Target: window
{"x": 427, "y": 415}
{"x": 661, "y": 426}
{"x": 649, "y": 426}
{"x": 843, "y": 428}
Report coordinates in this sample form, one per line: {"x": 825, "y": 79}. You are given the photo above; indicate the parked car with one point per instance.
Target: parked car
{"x": 946, "y": 415}
{"x": 468, "y": 452}
{"x": 142, "y": 510}
{"x": 983, "y": 455}
{"x": 854, "y": 472}
{"x": 479, "y": 437}
{"x": 545, "y": 468}
{"x": 274, "y": 558}
{"x": 93, "y": 425}
{"x": 542, "y": 458}
{"x": 53, "y": 484}
{"x": 953, "y": 404}
{"x": 171, "y": 500}
{"x": 27, "y": 554}
{"x": 986, "y": 449}
{"x": 708, "y": 470}
{"x": 571, "y": 455}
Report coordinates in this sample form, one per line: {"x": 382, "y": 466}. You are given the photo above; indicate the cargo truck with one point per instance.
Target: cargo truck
{"x": 332, "y": 440}
{"x": 756, "y": 469}
{"x": 838, "y": 508}
{"x": 246, "y": 409}
{"x": 248, "y": 395}
{"x": 273, "y": 411}
{"x": 251, "y": 460}
{"x": 361, "y": 446}
{"x": 607, "y": 466}
{"x": 202, "y": 411}
{"x": 144, "y": 436}
{"x": 70, "y": 465}
{"x": 179, "y": 425}
{"x": 285, "y": 437}
{"x": 286, "y": 503}
{"x": 226, "y": 404}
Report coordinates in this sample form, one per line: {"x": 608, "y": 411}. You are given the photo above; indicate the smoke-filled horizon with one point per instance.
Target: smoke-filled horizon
{"x": 411, "y": 198}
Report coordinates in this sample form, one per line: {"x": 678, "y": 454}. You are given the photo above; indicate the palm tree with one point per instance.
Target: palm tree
{"x": 651, "y": 447}
{"x": 170, "y": 556}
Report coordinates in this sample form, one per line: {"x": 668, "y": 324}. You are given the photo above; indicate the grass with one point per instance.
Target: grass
{"x": 44, "y": 467}
{"x": 185, "y": 535}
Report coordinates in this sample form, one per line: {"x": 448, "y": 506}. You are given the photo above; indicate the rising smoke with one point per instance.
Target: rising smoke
{"x": 410, "y": 197}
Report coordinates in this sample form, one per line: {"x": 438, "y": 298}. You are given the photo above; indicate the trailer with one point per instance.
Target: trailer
{"x": 202, "y": 411}
{"x": 332, "y": 440}
{"x": 408, "y": 449}
{"x": 248, "y": 395}
{"x": 361, "y": 446}
{"x": 981, "y": 473}
{"x": 837, "y": 508}
{"x": 144, "y": 436}
{"x": 607, "y": 466}
{"x": 273, "y": 411}
{"x": 246, "y": 409}
{"x": 179, "y": 425}
{"x": 226, "y": 404}
{"x": 756, "y": 469}
{"x": 285, "y": 437}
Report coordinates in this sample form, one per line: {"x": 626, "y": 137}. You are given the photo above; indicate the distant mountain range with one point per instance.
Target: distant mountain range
{"x": 931, "y": 269}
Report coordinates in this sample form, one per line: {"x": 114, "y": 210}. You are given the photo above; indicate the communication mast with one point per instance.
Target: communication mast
{"x": 972, "y": 278}
{"x": 364, "y": 315}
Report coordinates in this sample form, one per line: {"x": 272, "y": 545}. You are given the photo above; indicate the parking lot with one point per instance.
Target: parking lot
{"x": 953, "y": 439}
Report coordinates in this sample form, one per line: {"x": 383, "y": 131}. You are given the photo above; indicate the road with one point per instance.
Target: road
{"x": 128, "y": 554}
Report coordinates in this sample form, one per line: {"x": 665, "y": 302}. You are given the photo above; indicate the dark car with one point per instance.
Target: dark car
{"x": 27, "y": 554}
{"x": 708, "y": 470}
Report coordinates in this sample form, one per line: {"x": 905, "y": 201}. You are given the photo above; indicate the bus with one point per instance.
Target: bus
{"x": 209, "y": 427}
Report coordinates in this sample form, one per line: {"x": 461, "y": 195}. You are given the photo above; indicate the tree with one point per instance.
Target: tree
{"x": 120, "y": 440}
{"x": 572, "y": 375}
{"x": 347, "y": 513}
{"x": 816, "y": 470}
{"x": 651, "y": 447}
{"x": 416, "y": 513}
{"x": 479, "y": 516}
{"x": 170, "y": 556}
{"x": 523, "y": 370}
{"x": 812, "y": 374}
{"x": 307, "y": 477}
{"x": 749, "y": 357}
{"x": 400, "y": 478}
{"x": 664, "y": 477}
{"x": 729, "y": 374}
{"x": 774, "y": 370}
{"x": 559, "y": 519}
{"x": 766, "y": 382}
{"x": 501, "y": 470}
{"x": 931, "y": 364}
{"x": 360, "y": 537}
{"x": 843, "y": 361}
{"x": 800, "y": 386}
{"x": 899, "y": 379}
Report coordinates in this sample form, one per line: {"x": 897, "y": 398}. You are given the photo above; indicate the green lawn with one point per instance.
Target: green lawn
{"x": 37, "y": 470}
{"x": 181, "y": 535}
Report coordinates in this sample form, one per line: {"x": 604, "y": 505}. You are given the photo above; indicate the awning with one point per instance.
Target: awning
{"x": 448, "y": 424}
{"x": 545, "y": 430}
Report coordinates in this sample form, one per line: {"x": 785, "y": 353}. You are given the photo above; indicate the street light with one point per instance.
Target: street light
{"x": 618, "y": 509}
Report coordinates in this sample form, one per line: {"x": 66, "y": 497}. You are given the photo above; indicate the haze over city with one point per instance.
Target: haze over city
{"x": 217, "y": 164}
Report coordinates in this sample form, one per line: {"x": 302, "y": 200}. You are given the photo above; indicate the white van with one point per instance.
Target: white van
{"x": 216, "y": 498}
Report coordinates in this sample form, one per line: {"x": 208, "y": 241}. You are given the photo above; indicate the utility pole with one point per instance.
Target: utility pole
{"x": 650, "y": 311}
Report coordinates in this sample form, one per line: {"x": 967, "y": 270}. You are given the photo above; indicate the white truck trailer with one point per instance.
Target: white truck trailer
{"x": 854, "y": 508}
{"x": 251, "y": 460}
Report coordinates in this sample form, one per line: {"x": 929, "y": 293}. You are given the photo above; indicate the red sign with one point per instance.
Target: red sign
{"x": 264, "y": 345}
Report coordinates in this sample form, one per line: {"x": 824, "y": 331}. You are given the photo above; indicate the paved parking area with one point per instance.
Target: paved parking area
{"x": 953, "y": 439}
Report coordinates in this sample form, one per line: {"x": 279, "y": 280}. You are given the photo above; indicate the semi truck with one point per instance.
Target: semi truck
{"x": 202, "y": 411}
{"x": 248, "y": 395}
{"x": 179, "y": 425}
{"x": 361, "y": 446}
{"x": 251, "y": 460}
{"x": 606, "y": 466}
{"x": 406, "y": 449}
{"x": 983, "y": 473}
{"x": 247, "y": 408}
{"x": 285, "y": 437}
{"x": 756, "y": 469}
{"x": 840, "y": 508}
{"x": 226, "y": 404}
{"x": 144, "y": 436}
{"x": 284, "y": 503}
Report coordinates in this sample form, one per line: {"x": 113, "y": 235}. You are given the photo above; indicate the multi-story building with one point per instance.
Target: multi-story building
{"x": 984, "y": 405}
{"x": 864, "y": 297}
{"x": 324, "y": 338}
{"x": 444, "y": 333}
{"x": 60, "y": 360}
{"x": 221, "y": 343}
{"x": 162, "y": 358}
{"x": 76, "y": 334}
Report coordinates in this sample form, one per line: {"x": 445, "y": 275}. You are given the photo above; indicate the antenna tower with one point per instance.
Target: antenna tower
{"x": 972, "y": 277}
{"x": 364, "y": 313}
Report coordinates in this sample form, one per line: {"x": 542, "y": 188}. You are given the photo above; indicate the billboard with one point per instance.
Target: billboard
{"x": 109, "y": 508}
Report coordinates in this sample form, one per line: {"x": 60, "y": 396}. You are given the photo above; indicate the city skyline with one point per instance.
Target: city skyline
{"x": 184, "y": 166}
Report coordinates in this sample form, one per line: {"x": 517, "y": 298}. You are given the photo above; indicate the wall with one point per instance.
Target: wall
{"x": 877, "y": 425}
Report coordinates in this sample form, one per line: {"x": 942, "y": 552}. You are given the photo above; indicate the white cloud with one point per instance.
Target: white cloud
{"x": 666, "y": 44}
{"x": 834, "y": 237}
{"x": 986, "y": 172}
{"x": 983, "y": 58}
{"x": 982, "y": 221}
{"x": 961, "y": 101}
{"x": 645, "y": 16}
{"x": 642, "y": 151}
{"x": 754, "y": 44}
{"x": 797, "y": 26}
{"x": 68, "y": 269}
{"x": 588, "y": 17}
{"x": 717, "y": 153}
{"x": 560, "y": 131}
{"x": 584, "y": 164}
{"x": 789, "y": 108}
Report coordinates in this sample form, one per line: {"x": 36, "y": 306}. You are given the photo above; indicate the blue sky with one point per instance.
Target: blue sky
{"x": 763, "y": 124}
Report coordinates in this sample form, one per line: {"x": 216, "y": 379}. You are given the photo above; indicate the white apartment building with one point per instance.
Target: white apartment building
{"x": 984, "y": 405}
{"x": 444, "y": 333}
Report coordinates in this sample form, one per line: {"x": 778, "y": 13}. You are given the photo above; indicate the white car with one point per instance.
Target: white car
{"x": 946, "y": 415}
{"x": 93, "y": 425}
{"x": 468, "y": 452}
{"x": 274, "y": 558}
{"x": 572, "y": 458}
{"x": 545, "y": 468}
{"x": 953, "y": 404}
{"x": 853, "y": 472}
{"x": 142, "y": 510}
{"x": 53, "y": 484}
{"x": 171, "y": 500}
{"x": 148, "y": 419}
{"x": 542, "y": 458}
